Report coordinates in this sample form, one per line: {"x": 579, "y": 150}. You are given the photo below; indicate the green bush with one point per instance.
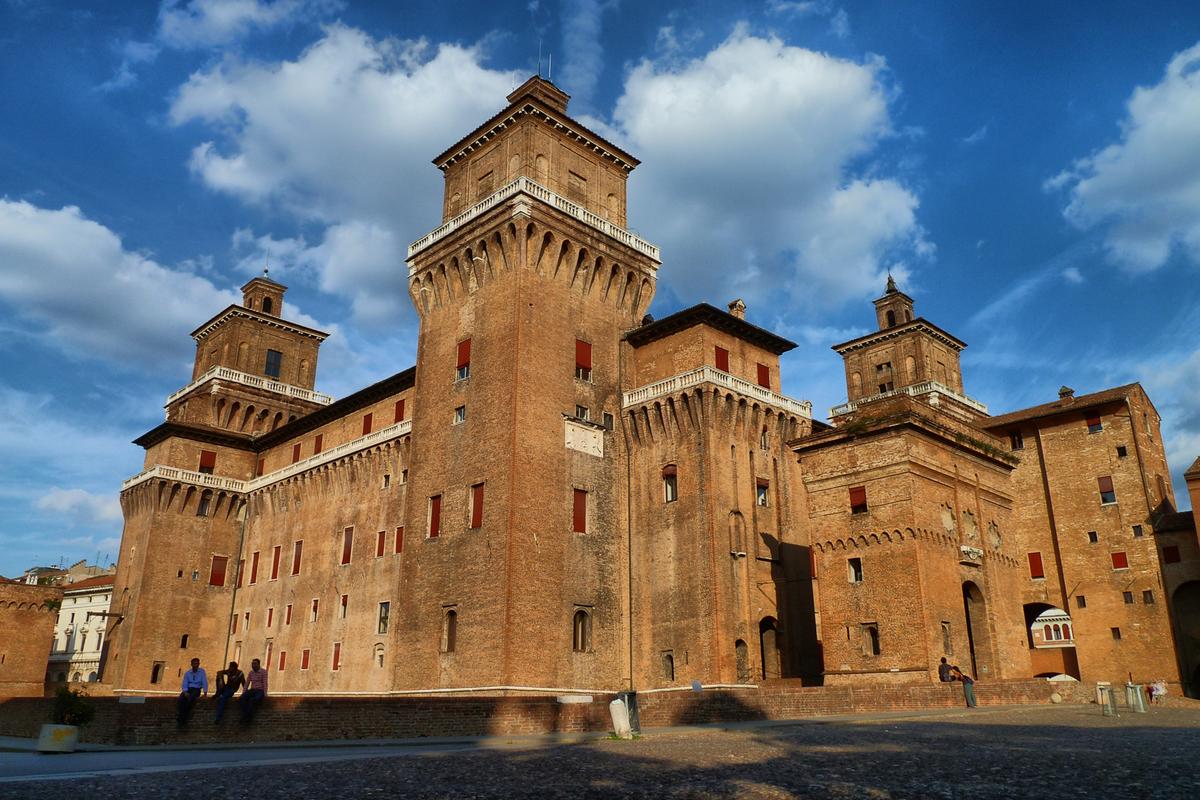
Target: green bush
{"x": 72, "y": 707}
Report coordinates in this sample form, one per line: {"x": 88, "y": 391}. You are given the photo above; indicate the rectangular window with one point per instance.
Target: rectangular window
{"x": 460, "y": 415}
{"x": 316, "y": 608}
{"x": 253, "y": 568}
{"x": 1137, "y": 531}
{"x": 855, "y": 570}
{"x": 477, "y": 506}
{"x": 274, "y": 365}
{"x": 1120, "y": 560}
{"x": 722, "y": 359}
{"x": 282, "y": 660}
{"x": 1148, "y": 597}
{"x": 762, "y": 492}
{"x": 1094, "y": 425}
{"x": 1107, "y": 493}
{"x": 295, "y": 452}
{"x": 261, "y": 468}
{"x": 287, "y": 615}
{"x": 462, "y": 364}
{"x": 216, "y": 573}
{"x": 400, "y": 539}
{"x": 870, "y": 638}
{"x": 270, "y": 616}
{"x": 304, "y": 659}
{"x": 318, "y": 443}
{"x": 581, "y": 412}
{"x": 1121, "y": 451}
{"x": 858, "y": 499}
{"x": 235, "y": 623}
{"x": 380, "y": 543}
{"x": 435, "y": 516}
{"x": 208, "y": 462}
{"x": 241, "y": 571}
{"x": 275, "y": 551}
{"x": 583, "y": 360}
{"x": 1127, "y": 597}
{"x": 1036, "y": 570}
{"x": 1093, "y": 537}
{"x": 399, "y": 411}
{"x": 1016, "y": 441}
{"x": 344, "y": 606}
{"x": 1171, "y": 554}
{"x": 1116, "y": 633}
{"x": 387, "y": 481}
{"x": 347, "y": 545}
{"x": 608, "y": 421}
{"x": 337, "y": 656}
{"x": 764, "y": 376}
{"x": 384, "y": 610}
{"x": 579, "y": 506}
{"x": 366, "y": 424}
{"x": 1080, "y": 601}
{"x": 297, "y": 553}
{"x": 670, "y": 483}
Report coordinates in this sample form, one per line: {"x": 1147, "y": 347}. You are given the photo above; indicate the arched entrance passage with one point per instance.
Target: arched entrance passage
{"x": 768, "y": 635}
{"x": 979, "y": 638}
{"x": 1185, "y": 605}
{"x": 743, "y": 661}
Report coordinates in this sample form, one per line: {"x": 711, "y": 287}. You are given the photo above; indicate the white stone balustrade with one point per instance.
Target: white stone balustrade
{"x": 917, "y": 389}
{"x": 533, "y": 189}
{"x": 706, "y": 374}
{"x": 258, "y": 381}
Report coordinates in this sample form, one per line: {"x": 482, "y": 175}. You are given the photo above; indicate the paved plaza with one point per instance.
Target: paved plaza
{"x": 1059, "y": 752}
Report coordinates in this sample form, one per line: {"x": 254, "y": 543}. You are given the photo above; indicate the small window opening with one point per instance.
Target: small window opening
{"x": 870, "y": 638}
{"x": 449, "y": 630}
{"x": 462, "y": 364}
{"x": 858, "y": 500}
{"x": 183, "y": 642}
{"x": 855, "y": 570}
{"x": 581, "y": 631}
{"x": 274, "y": 365}
{"x": 583, "y": 361}
{"x": 670, "y": 483}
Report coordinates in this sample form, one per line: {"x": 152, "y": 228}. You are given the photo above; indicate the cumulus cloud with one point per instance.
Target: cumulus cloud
{"x": 1143, "y": 191}
{"x": 748, "y": 156}
{"x": 341, "y": 136}
{"x": 75, "y": 277}
{"x": 209, "y": 23}
{"x": 80, "y": 505}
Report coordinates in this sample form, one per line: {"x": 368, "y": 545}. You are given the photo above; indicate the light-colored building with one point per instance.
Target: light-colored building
{"x": 79, "y": 631}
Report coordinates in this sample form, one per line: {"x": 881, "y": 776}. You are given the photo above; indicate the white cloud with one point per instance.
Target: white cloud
{"x": 132, "y": 53}
{"x": 210, "y": 23}
{"x": 80, "y": 505}
{"x": 74, "y": 276}
{"x": 747, "y": 178}
{"x": 1144, "y": 190}
{"x": 976, "y": 136}
{"x": 1072, "y": 275}
{"x": 342, "y": 135}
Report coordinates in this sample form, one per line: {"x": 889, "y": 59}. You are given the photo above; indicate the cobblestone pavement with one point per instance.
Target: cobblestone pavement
{"x": 1059, "y": 752}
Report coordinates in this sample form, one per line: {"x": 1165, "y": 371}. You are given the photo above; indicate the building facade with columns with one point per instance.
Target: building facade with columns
{"x": 563, "y": 494}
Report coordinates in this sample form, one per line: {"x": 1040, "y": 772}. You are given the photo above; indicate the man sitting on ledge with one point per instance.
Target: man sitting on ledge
{"x": 256, "y": 691}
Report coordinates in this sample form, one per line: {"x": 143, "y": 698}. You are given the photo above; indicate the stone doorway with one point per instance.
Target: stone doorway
{"x": 979, "y": 638}
{"x": 768, "y": 634}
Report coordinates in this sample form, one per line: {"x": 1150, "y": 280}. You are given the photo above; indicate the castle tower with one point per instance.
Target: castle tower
{"x": 517, "y": 506}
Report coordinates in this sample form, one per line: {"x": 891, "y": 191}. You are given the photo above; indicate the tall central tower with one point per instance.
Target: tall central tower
{"x": 524, "y": 293}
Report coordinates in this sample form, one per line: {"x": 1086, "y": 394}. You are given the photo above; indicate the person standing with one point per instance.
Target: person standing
{"x": 968, "y": 685}
{"x": 195, "y": 682}
{"x": 228, "y": 682}
{"x": 256, "y": 691}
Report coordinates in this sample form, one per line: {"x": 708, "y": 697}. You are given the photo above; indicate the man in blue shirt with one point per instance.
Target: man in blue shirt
{"x": 195, "y": 682}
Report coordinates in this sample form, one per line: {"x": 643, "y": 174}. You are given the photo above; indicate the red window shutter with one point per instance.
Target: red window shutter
{"x": 1171, "y": 554}
{"x": 208, "y": 460}
{"x": 669, "y": 470}
{"x": 1120, "y": 560}
{"x": 1106, "y": 484}
{"x": 337, "y": 655}
{"x": 399, "y": 411}
{"x": 435, "y": 516}
{"x": 764, "y": 376}
{"x": 303, "y": 659}
{"x": 318, "y": 443}
{"x": 347, "y": 545}
{"x": 579, "y": 512}
{"x": 295, "y": 452}
{"x": 216, "y": 576}
{"x": 380, "y": 543}
{"x": 254, "y": 568}
{"x": 241, "y": 571}
{"x": 400, "y": 539}
{"x": 477, "y": 505}
{"x": 1093, "y": 421}
{"x": 366, "y": 424}
{"x": 287, "y": 615}
{"x": 235, "y": 619}
{"x": 275, "y": 562}
{"x": 1035, "y": 566}
{"x": 858, "y": 496}
{"x": 297, "y": 553}
{"x": 583, "y": 354}
{"x": 464, "y": 354}
{"x": 282, "y": 660}
{"x": 270, "y": 616}
{"x": 262, "y": 466}
{"x": 722, "y": 359}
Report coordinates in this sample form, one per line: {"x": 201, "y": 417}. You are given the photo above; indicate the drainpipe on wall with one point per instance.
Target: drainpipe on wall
{"x": 237, "y": 580}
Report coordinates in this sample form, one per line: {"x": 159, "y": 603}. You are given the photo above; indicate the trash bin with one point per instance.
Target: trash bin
{"x": 630, "y": 701}
{"x": 1108, "y": 701}
{"x": 1135, "y": 697}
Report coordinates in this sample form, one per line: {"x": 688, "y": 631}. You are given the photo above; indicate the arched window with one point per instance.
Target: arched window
{"x": 379, "y": 654}
{"x": 764, "y": 438}
{"x": 267, "y": 305}
{"x": 581, "y": 632}
{"x": 1046, "y": 634}
{"x": 907, "y": 315}
{"x": 449, "y": 630}
{"x": 92, "y": 677}
{"x": 205, "y": 501}
{"x": 891, "y": 318}
{"x": 668, "y": 665}
{"x": 1057, "y": 633}
{"x": 670, "y": 483}
{"x": 743, "y": 661}
{"x": 76, "y": 677}
{"x": 1066, "y": 630}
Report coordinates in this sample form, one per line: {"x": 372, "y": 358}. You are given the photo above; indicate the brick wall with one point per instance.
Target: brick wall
{"x": 27, "y": 615}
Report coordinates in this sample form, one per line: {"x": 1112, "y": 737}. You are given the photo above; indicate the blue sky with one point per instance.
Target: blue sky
{"x": 1029, "y": 172}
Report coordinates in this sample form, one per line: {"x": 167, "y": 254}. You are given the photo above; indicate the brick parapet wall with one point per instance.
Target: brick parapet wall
{"x": 311, "y": 719}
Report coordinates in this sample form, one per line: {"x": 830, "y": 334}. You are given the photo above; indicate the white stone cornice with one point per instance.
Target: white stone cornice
{"x": 934, "y": 389}
{"x": 900, "y": 330}
{"x": 714, "y": 376}
{"x": 525, "y": 186}
{"x": 274, "y": 322}
{"x": 245, "y": 487}
{"x": 257, "y": 381}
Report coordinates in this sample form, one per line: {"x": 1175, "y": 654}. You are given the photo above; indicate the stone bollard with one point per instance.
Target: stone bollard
{"x": 620, "y": 719}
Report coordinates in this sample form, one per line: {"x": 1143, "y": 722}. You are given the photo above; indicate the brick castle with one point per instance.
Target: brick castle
{"x": 564, "y": 495}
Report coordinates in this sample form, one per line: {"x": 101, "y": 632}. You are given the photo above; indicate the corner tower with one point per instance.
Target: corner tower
{"x": 524, "y": 293}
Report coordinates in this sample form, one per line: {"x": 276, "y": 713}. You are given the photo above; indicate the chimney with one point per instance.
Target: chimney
{"x": 738, "y": 309}
{"x": 1066, "y": 393}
